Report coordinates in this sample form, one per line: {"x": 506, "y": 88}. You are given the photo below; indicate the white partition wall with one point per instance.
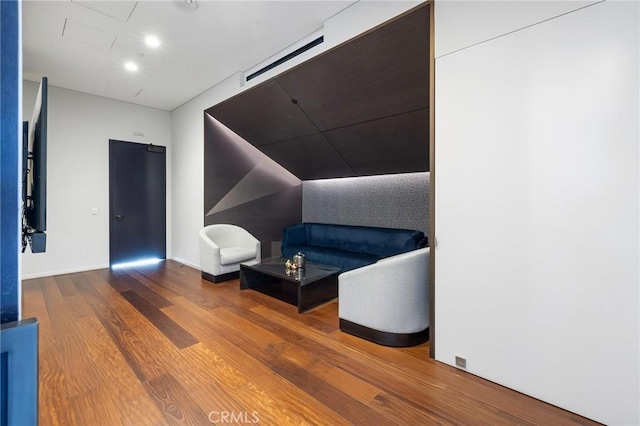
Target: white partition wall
{"x": 537, "y": 206}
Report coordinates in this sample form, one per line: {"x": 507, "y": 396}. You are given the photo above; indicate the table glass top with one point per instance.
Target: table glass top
{"x": 274, "y": 266}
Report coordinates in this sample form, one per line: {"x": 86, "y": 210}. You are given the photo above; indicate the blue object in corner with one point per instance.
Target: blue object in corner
{"x": 19, "y": 378}
{"x": 10, "y": 167}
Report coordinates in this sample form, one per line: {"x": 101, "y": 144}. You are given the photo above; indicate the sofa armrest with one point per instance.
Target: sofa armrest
{"x": 209, "y": 255}
{"x": 391, "y": 295}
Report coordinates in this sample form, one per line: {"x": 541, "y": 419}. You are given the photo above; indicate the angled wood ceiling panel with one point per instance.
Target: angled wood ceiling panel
{"x": 309, "y": 157}
{"x": 396, "y": 144}
{"x": 382, "y": 73}
{"x": 263, "y": 115}
{"x": 358, "y": 109}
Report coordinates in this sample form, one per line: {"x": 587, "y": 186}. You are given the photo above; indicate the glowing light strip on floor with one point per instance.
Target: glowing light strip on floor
{"x": 141, "y": 262}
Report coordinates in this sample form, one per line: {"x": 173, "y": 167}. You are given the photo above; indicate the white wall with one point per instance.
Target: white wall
{"x": 462, "y": 24}
{"x": 188, "y": 126}
{"x": 537, "y": 203}
{"x": 79, "y": 129}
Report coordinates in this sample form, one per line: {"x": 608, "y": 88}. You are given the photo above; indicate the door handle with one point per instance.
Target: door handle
{"x": 119, "y": 217}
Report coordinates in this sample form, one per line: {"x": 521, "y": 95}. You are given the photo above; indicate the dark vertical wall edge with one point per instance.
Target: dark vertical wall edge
{"x": 10, "y": 88}
{"x": 432, "y": 184}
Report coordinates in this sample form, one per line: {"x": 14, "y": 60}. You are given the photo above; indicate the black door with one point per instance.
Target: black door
{"x": 137, "y": 202}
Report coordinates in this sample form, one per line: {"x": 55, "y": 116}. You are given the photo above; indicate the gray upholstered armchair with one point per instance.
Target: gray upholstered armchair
{"x": 387, "y": 302}
{"x": 222, "y": 248}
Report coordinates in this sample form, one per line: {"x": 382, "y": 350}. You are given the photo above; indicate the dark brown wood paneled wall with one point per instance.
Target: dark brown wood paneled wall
{"x": 358, "y": 109}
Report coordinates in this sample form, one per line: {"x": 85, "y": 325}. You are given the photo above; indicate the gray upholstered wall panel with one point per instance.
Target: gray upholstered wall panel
{"x": 394, "y": 201}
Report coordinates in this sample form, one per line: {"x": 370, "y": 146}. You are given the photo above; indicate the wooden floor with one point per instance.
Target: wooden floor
{"x": 158, "y": 345}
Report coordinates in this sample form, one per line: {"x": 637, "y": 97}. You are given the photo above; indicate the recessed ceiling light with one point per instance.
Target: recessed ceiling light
{"x": 131, "y": 66}
{"x": 187, "y": 5}
{"x": 152, "y": 41}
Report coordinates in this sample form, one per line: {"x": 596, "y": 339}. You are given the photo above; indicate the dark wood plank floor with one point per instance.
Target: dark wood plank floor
{"x": 158, "y": 345}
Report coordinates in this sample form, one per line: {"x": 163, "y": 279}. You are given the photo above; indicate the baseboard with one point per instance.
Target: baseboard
{"x": 185, "y": 262}
{"x": 63, "y": 271}
{"x": 89, "y": 268}
{"x": 384, "y": 338}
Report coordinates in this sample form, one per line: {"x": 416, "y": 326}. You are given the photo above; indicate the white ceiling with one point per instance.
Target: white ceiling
{"x": 83, "y": 45}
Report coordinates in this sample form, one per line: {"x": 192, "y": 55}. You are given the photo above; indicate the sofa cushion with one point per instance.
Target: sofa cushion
{"x": 348, "y": 246}
{"x": 231, "y": 255}
{"x": 343, "y": 259}
{"x": 382, "y": 242}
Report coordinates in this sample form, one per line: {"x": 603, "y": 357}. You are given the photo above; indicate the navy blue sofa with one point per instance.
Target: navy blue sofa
{"x": 348, "y": 247}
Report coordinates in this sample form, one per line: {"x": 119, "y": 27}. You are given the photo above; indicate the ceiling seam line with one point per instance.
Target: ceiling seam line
{"x": 316, "y": 126}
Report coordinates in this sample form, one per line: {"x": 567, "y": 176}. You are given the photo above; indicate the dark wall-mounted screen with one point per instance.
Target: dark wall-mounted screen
{"x": 35, "y": 174}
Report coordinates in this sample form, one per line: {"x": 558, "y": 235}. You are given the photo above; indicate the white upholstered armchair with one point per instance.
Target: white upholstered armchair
{"x": 222, "y": 248}
{"x": 387, "y": 302}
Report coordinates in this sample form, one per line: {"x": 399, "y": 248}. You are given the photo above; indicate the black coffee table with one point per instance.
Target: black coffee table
{"x": 307, "y": 288}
